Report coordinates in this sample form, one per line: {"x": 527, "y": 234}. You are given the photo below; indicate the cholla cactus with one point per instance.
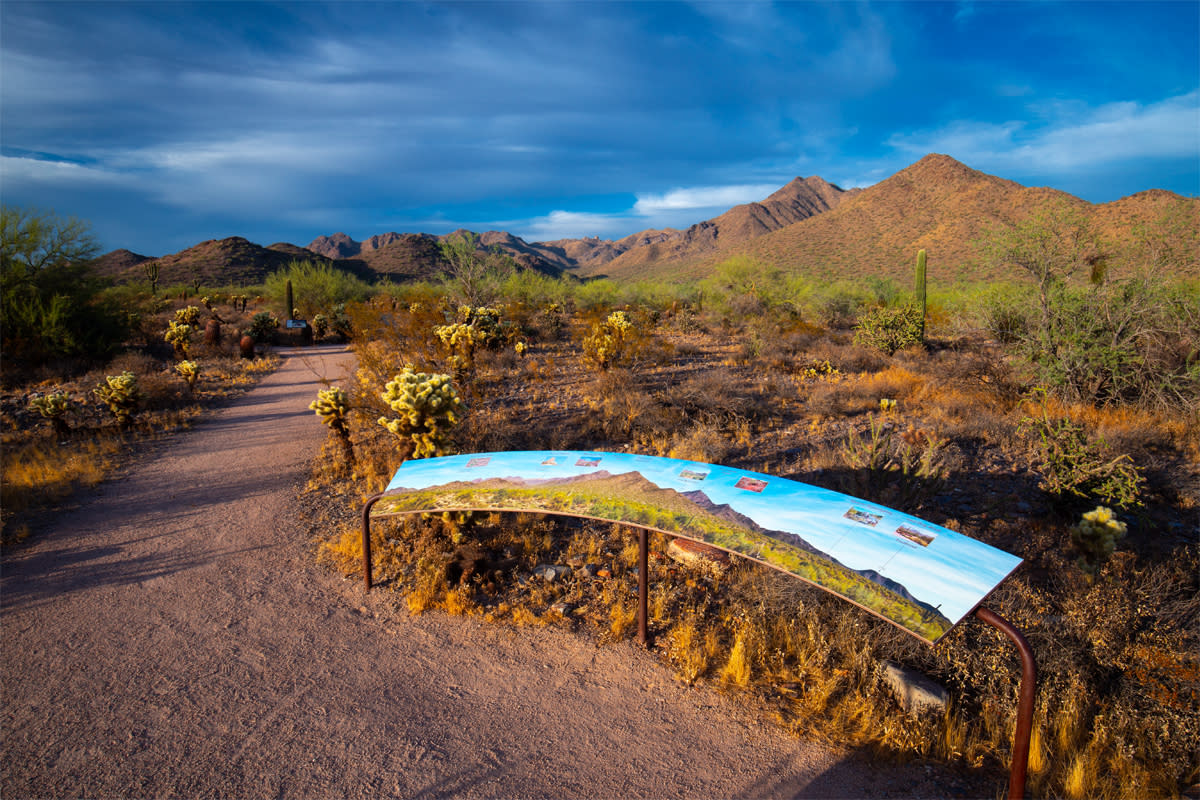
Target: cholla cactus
{"x": 122, "y": 396}
{"x": 887, "y": 405}
{"x": 428, "y": 407}
{"x": 180, "y": 336}
{"x": 189, "y": 371}
{"x": 188, "y": 316}
{"x": 54, "y": 407}
{"x": 521, "y": 347}
{"x": 477, "y": 327}
{"x": 1096, "y": 537}
{"x": 612, "y": 342}
{"x": 332, "y": 405}
{"x": 320, "y": 324}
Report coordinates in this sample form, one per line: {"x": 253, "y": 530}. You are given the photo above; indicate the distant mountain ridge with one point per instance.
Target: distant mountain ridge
{"x": 809, "y": 226}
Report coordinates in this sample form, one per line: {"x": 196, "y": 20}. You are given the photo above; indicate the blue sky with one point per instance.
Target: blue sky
{"x": 954, "y": 572}
{"x": 165, "y": 124}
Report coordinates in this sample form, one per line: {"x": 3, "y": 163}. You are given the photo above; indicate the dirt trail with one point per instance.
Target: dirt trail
{"x": 172, "y": 636}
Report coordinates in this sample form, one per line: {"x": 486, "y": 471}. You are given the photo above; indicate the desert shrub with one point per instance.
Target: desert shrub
{"x": 840, "y": 304}
{"x": 428, "y": 407}
{"x": 622, "y": 410}
{"x": 315, "y": 287}
{"x": 889, "y": 329}
{"x": 51, "y": 304}
{"x": 904, "y": 472}
{"x": 1071, "y": 464}
{"x": 1123, "y": 342}
{"x": 534, "y": 289}
{"x": 1005, "y": 313}
{"x": 122, "y": 395}
{"x": 597, "y": 293}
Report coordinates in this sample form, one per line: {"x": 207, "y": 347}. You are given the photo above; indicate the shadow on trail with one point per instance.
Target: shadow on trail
{"x": 44, "y": 576}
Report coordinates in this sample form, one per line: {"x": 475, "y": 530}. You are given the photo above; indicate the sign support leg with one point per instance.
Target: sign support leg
{"x": 1020, "y": 755}
{"x": 643, "y": 584}
{"x": 366, "y": 539}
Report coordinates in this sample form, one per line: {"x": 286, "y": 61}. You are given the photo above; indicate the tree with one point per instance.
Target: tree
{"x": 1052, "y": 244}
{"x": 475, "y": 273}
{"x": 48, "y": 302}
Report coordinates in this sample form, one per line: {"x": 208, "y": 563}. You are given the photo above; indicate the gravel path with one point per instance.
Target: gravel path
{"x": 172, "y": 636}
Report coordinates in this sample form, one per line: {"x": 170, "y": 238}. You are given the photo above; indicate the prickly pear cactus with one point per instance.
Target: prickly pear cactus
{"x": 122, "y": 396}
{"x": 428, "y": 407}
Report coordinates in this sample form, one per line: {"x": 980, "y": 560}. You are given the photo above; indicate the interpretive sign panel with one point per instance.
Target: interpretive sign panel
{"x": 917, "y": 575}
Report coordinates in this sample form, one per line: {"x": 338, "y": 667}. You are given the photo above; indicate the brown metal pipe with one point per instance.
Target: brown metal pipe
{"x": 643, "y": 583}
{"x": 1020, "y": 757}
{"x": 366, "y": 539}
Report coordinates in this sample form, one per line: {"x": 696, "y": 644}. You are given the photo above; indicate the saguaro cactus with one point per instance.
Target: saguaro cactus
{"x": 921, "y": 289}
{"x": 290, "y": 306}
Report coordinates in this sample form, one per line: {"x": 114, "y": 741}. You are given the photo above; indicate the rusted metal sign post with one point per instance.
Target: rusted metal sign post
{"x": 921, "y": 577}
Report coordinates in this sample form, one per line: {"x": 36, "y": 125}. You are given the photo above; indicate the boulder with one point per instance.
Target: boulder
{"x": 916, "y": 693}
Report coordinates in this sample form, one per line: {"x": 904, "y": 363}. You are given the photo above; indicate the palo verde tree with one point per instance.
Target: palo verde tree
{"x": 474, "y": 273}
{"x": 1053, "y": 244}
{"x": 49, "y": 305}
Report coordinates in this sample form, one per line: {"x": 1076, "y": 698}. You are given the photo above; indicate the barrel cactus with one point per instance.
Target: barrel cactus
{"x": 122, "y": 396}
{"x": 427, "y": 405}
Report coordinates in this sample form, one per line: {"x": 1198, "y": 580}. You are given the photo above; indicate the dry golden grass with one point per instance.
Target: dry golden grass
{"x": 1120, "y": 700}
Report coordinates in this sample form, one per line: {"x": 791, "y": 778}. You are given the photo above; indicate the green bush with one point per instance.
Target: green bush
{"x": 1124, "y": 342}
{"x": 51, "y": 305}
{"x": 316, "y": 287}
{"x": 889, "y": 329}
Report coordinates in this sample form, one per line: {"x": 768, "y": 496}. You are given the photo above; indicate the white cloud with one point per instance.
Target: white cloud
{"x": 1071, "y": 140}
{"x": 18, "y": 171}
{"x": 700, "y": 197}
{"x": 678, "y": 208}
{"x": 575, "y": 225}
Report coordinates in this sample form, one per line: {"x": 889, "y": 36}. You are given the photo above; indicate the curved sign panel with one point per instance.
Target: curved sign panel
{"x": 916, "y": 575}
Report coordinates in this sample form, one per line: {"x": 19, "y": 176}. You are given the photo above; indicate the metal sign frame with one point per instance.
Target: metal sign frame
{"x": 482, "y": 490}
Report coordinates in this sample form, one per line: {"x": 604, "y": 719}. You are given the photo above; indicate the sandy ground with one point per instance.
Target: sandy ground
{"x": 173, "y": 636}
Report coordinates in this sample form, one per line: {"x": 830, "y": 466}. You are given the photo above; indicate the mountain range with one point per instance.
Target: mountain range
{"x": 809, "y": 226}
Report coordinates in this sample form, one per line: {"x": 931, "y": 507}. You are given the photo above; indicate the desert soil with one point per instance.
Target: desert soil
{"x": 172, "y": 635}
